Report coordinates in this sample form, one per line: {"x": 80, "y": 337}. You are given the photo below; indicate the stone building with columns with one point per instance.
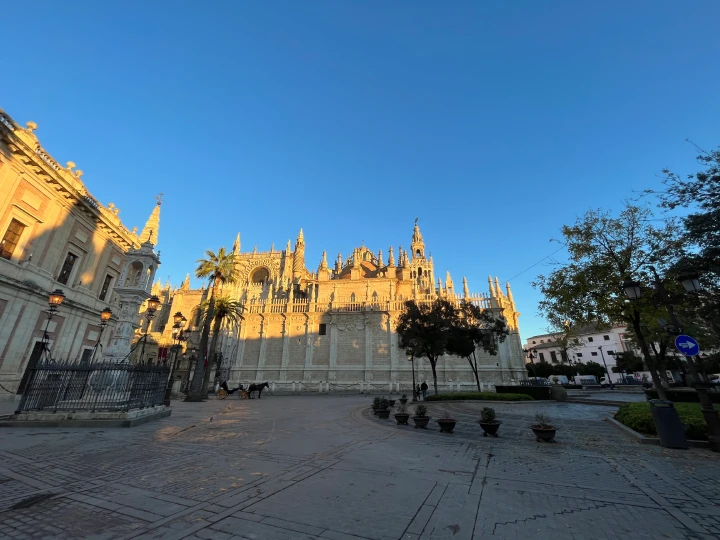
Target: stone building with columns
{"x": 337, "y": 323}
{"x": 55, "y": 235}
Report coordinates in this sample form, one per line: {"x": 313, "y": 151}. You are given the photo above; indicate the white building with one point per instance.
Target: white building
{"x": 588, "y": 344}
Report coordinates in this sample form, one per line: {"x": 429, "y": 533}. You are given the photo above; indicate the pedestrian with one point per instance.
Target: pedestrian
{"x": 424, "y": 389}
{"x": 417, "y": 391}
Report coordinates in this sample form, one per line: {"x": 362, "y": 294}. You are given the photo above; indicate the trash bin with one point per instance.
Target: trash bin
{"x": 669, "y": 427}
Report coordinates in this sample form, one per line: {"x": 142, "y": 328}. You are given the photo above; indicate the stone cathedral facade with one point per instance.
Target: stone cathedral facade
{"x": 337, "y": 323}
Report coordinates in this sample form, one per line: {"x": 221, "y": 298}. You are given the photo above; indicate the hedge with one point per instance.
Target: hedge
{"x": 683, "y": 396}
{"x": 637, "y": 416}
{"x": 487, "y": 396}
{"x": 535, "y": 392}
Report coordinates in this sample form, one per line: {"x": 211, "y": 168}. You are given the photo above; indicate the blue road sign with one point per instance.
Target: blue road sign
{"x": 687, "y": 345}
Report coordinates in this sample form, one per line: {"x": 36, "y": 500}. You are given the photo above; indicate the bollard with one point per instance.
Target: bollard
{"x": 361, "y": 388}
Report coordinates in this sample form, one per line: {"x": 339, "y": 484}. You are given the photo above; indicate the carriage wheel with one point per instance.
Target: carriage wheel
{"x": 221, "y": 394}
{"x": 243, "y": 394}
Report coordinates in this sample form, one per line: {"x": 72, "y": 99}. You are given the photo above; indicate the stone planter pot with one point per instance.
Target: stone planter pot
{"x": 543, "y": 434}
{"x": 447, "y": 425}
{"x": 383, "y": 414}
{"x": 375, "y": 411}
{"x": 490, "y": 428}
{"x": 402, "y": 418}
{"x": 421, "y": 421}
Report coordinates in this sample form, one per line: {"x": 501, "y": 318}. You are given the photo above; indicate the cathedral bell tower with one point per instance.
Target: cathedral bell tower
{"x": 417, "y": 246}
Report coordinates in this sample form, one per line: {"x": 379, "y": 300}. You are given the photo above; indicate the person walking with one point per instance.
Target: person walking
{"x": 424, "y": 388}
{"x": 417, "y": 391}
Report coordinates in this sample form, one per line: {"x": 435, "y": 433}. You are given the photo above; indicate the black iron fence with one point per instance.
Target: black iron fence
{"x": 66, "y": 386}
{"x": 534, "y": 382}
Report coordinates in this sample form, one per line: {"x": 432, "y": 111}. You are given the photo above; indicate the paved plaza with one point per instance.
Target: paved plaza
{"x": 323, "y": 467}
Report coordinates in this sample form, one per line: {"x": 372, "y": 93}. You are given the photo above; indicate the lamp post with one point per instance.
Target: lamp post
{"x": 531, "y": 354}
{"x": 152, "y": 306}
{"x": 612, "y": 386}
{"x": 54, "y": 300}
{"x": 412, "y": 366}
{"x": 105, "y": 315}
{"x": 179, "y": 322}
{"x": 691, "y": 284}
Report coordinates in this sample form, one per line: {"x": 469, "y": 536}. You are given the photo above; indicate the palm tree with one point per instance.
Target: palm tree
{"x": 219, "y": 269}
{"x": 226, "y": 311}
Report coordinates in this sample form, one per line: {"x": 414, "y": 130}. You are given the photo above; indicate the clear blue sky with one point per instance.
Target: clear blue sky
{"x": 493, "y": 122}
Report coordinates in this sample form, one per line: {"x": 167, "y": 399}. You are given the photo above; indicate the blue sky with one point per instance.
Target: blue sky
{"x": 493, "y": 122}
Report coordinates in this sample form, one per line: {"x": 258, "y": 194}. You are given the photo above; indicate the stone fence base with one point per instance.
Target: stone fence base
{"x": 130, "y": 418}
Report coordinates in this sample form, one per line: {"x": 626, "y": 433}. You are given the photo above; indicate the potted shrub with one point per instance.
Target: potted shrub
{"x": 447, "y": 423}
{"x": 488, "y": 422}
{"x": 402, "y": 416}
{"x": 391, "y": 402}
{"x": 383, "y": 412}
{"x": 376, "y": 405}
{"x": 543, "y": 429}
{"x": 403, "y": 399}
{"x": 421, "y": 418}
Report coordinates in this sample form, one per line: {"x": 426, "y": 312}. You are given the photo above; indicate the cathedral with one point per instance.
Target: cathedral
{"x": 336, "y": 324}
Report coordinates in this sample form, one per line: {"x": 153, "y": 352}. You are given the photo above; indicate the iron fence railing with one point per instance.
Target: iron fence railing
{"x": 65, "y": 386}
{"x": 534, "y": 382}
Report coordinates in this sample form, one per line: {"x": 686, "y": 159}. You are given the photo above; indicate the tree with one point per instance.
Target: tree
{"x": 226, "y": 310}
{"x": 424, "y": 330}
{"x": 219, "y": 269}
{"x": 565, "y": 340}
{"x": 476, "y": 328}
{"x": 603, "y": 251}
{"x": 628, "y": 362}
{"x": 592, "y": 368}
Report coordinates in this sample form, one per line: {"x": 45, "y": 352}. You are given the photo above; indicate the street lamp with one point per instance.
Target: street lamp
{"x": 690, "y": 283}
{"x": 152, "y": 306}
{"x": 531, "y": 354}
{"x": 105, "y": 315}
{"x": 612, "y": 386}
{"x": 412, "y": 366}
{"x": 54, "y": 300}
{"x": 179, "y": 322}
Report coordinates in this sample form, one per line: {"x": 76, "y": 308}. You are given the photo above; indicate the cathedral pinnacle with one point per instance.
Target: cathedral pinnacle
{"x": 300, "y": 238}
{"x": 236, "y": 244}
{"x": 152, "y": 226}
{"x": 391, "y": 257}
{"x": 466, "y": 290}
{"x": 323, "y": 263}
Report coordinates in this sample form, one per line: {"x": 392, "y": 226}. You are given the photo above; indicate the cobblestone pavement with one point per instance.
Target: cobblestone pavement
{"x": 323, "y": 467}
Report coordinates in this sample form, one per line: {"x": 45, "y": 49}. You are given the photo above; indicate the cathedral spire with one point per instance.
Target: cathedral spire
{"x": 491, "y": 287}
{"x": 449, "y": 285}
{"x": 509, "y": 292}
{"x": 417, "y": 246}
{"x": 323, "y": 263}
{"x": 152, "y": 226}
{"x": 338, "y": 264}
{"x": 466, "y": 290}
{"x": 186, "y": 283}
{"x": 391, "y": 257}
{"x": 288, "y": 248}
{"x": 498, "y": 290}
{"x": 380, "y": 259}
{"x": 299, "y": 256}
{"x": 236, "y": 245}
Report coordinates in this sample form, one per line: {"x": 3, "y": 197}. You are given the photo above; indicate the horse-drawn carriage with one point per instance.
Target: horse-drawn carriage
{"x": 243, "y": 393}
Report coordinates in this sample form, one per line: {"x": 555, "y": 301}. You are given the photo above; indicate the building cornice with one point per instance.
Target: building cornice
{"x": 64, "y": 180}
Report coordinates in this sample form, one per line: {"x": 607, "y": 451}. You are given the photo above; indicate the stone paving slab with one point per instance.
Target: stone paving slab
{"x": 326, "y": 468}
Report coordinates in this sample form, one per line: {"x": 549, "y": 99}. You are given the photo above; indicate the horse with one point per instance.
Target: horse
{"x": 257, "y": 388}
